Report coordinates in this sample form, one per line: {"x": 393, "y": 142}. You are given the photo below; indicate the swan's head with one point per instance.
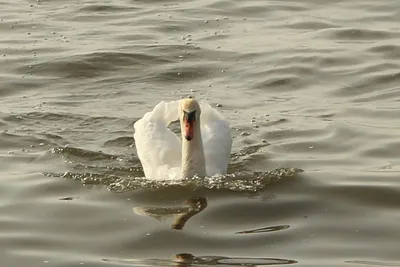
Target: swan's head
{"x": 189, "y": 114}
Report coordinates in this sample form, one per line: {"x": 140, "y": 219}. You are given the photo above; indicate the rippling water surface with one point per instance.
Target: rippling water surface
{"x": 311, "y": 90}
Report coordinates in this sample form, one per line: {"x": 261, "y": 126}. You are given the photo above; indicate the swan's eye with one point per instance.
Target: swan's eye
{"x": 189, "y": 117}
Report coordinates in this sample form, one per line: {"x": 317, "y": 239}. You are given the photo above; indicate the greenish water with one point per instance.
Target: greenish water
{"x": 311, "y": 91}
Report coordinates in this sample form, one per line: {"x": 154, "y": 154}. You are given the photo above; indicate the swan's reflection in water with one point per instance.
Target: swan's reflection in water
{"x": 181, "y": 214}
{"x": 187, "y": 259}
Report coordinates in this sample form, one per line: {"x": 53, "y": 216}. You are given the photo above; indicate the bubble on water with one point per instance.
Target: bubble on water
{"x": 244, "y": 134}
{"x": 219, "y": 105}
{"x": 206, "y": 21}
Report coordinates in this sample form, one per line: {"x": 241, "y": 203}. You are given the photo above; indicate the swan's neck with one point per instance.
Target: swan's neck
{"x": 193, "y": 161}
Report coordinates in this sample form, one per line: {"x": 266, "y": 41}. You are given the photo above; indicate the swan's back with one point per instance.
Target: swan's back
{"x": 217, "y": 140}
{"x": 158, "y": 148}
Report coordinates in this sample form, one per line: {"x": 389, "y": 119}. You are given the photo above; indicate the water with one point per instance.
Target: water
{"x": 311, "y": 92}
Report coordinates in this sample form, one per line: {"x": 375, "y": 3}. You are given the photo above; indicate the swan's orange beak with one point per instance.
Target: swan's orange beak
{"x": 188, "y": 120}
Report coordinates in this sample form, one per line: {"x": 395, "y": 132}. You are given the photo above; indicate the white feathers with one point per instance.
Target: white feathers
{"x": 160, "y": 150}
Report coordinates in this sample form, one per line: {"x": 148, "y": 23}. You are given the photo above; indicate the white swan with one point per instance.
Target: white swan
{"x": 205, "y": 147}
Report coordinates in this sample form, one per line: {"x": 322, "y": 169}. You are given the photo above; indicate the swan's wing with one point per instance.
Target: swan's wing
{"x": 158, "y": 148}
{"x": 217, "y": 140}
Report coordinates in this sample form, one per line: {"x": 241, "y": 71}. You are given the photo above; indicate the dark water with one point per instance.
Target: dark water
{"x": 306, "y": 85}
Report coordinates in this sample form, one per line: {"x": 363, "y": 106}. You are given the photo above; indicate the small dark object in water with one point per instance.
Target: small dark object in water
{"x": 66, "y": 198}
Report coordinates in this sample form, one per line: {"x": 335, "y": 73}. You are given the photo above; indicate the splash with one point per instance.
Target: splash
{"x": 97, "y": 168}
{"x": 239, "y": 182}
